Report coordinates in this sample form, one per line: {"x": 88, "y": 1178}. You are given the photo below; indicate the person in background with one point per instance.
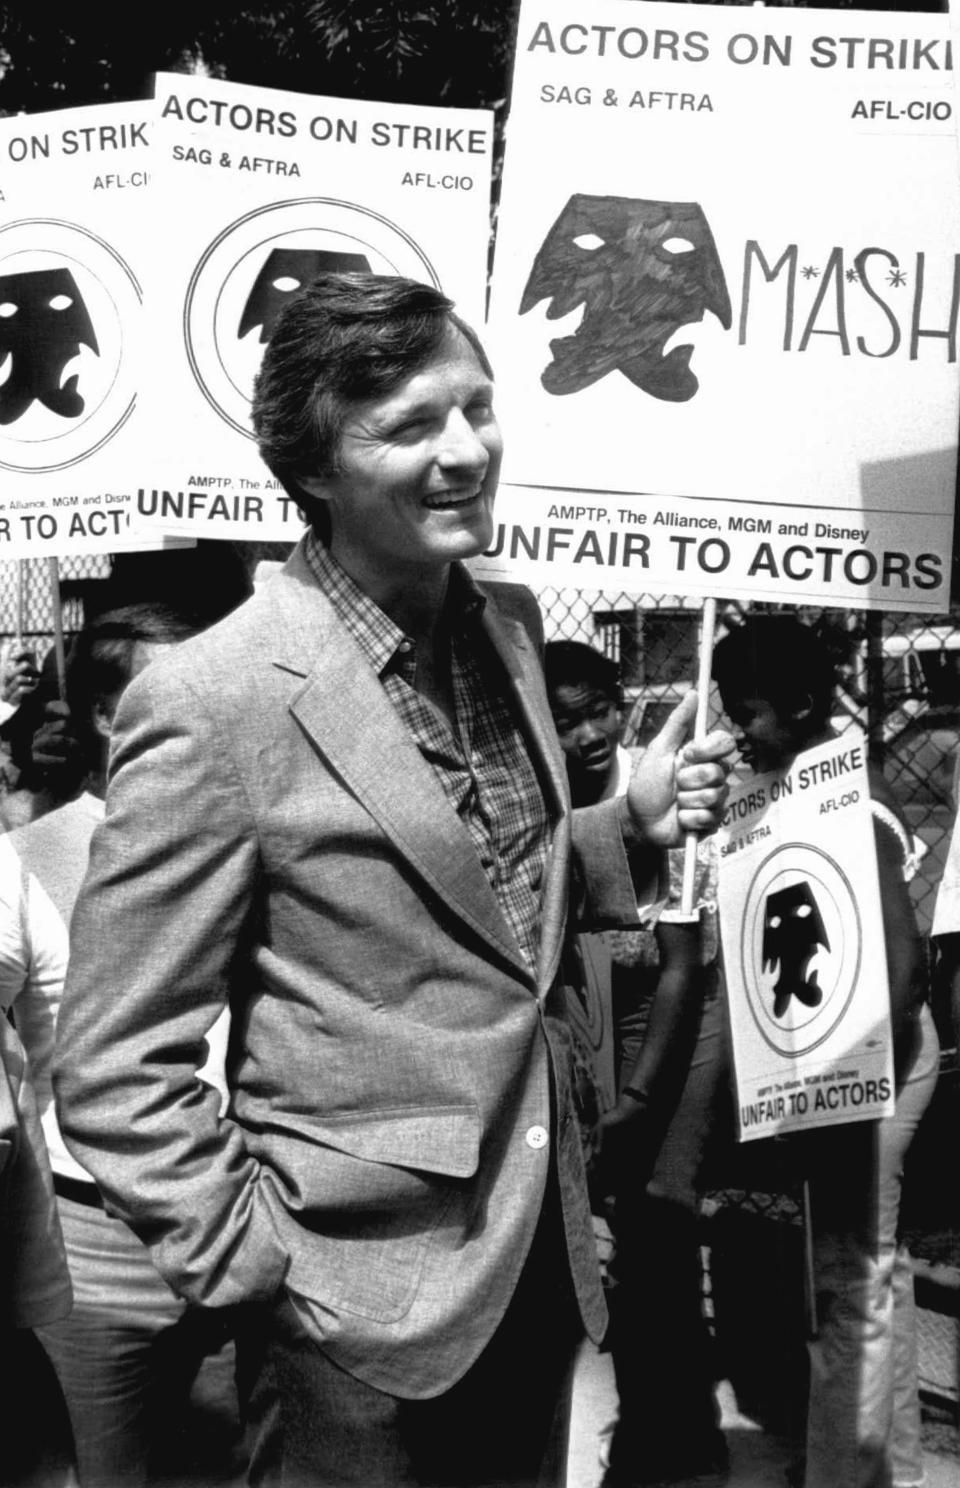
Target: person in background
{"x": 776, "y": 680}
{"x": 19, "y": 675}
{"x": 130, "y": 1350}
{"x": 343, "y": 812}
{"x": 44, "y": 766}
{"x": 945, "y": 930}
{"x": 202, "y": 582}
{"x": 35, "y": 1451}
{"x": 654, "y": 1141}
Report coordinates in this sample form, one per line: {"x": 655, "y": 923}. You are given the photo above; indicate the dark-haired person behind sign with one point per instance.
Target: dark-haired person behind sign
{"x": 343, "y": 811}
{"x": 776, "y": 680}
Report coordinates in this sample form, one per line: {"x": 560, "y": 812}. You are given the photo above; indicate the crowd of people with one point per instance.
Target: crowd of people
{"x": 301, "y": 1163}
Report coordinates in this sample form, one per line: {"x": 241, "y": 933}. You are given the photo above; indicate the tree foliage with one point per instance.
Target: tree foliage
{"x": 448, "y": 51}
{"x": 55, "y": 54}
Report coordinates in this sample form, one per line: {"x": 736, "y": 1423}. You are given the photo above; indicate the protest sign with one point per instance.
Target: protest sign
{"x": 727, "y": 276}
{"x": 803, "y": 945}
{"x": 257, "y": 191}
{"x": 73, "y": 234}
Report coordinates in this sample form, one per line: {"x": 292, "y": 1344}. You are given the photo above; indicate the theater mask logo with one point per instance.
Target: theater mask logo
{"x": 644, "y": 272}
{"x": 801, "y": 947}
{"x": 43, "y": 324}
{"x": 793, "y": 936}
{"x": 69, "y": 321}
{"x": 255, "y": 265}
{"x": 285, "y": 271}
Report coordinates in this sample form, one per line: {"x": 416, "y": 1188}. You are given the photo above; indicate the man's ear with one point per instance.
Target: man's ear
{"x": 317, "y": 486}
{"x": 802, "y": 709}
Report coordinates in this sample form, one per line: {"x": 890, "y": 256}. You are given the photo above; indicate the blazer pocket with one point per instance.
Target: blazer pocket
{"x": 369, "y": 1194}
{"x": 391, "y": 1161}
{"x": 429, "y": 1139}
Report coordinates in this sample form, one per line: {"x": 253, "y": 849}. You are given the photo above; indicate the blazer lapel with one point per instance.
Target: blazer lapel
{"x": 342, "y": 706}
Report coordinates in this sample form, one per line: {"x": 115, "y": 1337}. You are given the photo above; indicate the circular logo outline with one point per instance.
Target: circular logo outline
{"x": 748, "y": 936}
{"x": 189, "y": 332}
{"x": 84, "y": 232}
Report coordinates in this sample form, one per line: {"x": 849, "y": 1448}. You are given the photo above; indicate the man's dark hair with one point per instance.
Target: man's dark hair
{"x": 573, "y": 664}
{"x": 777, "y": 658}
{"x": 342, "y": 339}
{"x": 102, "y": 658}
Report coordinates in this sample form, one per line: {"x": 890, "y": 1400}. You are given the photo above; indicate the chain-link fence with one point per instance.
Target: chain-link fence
{"x": 27, "y": 588}
{"x": 900, "y": 682}
{"x": 900, "y": 676}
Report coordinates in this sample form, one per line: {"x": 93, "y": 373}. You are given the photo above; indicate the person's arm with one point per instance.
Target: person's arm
{"x": 948, "y": 947}
{"x": 14, "y": 952}
{"x": 674, "y": 1015}
{"x": 945, "y": 931}
{"x": 655, "y": 1070}
{"x": 906, "y": 968}
{"x": 35, "y": 1285}
{"x": 156, "y": 945}
{"x": 19, "y": 677}
{"x": 906, "y": 962}
{"x": 678, "y": 786}
{"x": 56, "y": 753}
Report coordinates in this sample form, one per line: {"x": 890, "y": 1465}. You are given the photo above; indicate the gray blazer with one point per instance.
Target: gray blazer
{"x": 274, "y": 840}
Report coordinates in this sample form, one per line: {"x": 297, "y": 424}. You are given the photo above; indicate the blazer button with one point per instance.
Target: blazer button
{"x": 537, "y": 1137}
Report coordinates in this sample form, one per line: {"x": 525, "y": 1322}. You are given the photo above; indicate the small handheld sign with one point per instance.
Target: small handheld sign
{"x": 803, "y": 945}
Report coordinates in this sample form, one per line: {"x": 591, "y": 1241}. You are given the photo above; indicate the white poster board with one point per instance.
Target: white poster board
{"x": 727, "y": 276}
{"x": 74, "y": 232}
{"x": 256, "y": 190}
{"x": 803, "y": 946}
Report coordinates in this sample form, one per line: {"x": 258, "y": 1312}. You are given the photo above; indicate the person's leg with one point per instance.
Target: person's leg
{"x": 101, "y": 1350}
{"x": 503, "y": 1425}
{"x": 194, "y": 1425}
{"x": 37, "y": 1448}
{"x": 861, "y": 1287}
{"x": 310, "y": 1424}
{"x": 906, "y": 1447}
{"x": 659, "y": 1339}
{"x": 506, "y": 1423}
{"x": 847, "y": 1427}
{"x": 126, "y": 1356}
{"x": 906, "y": 1451}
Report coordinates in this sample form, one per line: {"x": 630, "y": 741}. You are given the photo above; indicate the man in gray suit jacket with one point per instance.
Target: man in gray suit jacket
{"x": 343, "y": 813}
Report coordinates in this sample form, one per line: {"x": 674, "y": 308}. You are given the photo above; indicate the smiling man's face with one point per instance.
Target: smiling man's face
{"x": 417, "y": 475}
{"x": 641, "y": 270}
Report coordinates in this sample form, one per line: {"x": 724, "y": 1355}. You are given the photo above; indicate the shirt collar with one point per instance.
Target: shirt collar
{"x": 465, "y": 600}
{"x": 379, "y": 637}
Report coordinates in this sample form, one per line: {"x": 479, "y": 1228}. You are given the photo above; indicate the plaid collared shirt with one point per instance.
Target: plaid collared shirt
{"x": 482, "y": 762}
